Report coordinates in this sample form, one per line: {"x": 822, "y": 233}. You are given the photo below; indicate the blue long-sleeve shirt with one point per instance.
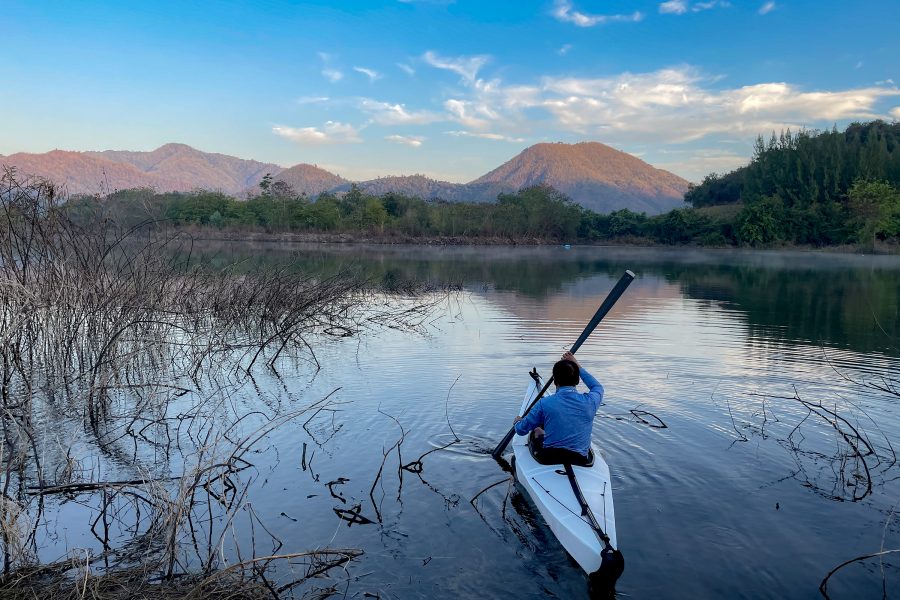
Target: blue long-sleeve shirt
{"x": 567, "y": 416}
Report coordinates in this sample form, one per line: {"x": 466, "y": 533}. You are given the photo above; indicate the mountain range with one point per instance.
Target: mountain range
{"x": 592, "y": 174}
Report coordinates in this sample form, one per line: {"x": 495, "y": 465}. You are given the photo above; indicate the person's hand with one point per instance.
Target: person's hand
{"x": 570, "y": 356}
{"x": 516, "y": 420}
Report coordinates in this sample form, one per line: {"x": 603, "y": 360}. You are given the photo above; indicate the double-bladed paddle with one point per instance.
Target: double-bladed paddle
{"x": 608, "y": 303}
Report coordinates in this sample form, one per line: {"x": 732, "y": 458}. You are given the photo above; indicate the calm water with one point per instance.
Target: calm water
{"x": 745, "y": 493}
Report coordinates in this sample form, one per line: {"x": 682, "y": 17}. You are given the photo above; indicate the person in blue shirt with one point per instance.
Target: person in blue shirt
{"x": 562, "y": 422}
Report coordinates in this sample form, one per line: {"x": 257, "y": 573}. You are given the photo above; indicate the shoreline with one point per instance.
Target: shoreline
{"x": 349, "y": 239}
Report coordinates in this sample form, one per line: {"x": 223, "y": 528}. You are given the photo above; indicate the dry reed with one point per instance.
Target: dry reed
{"x": 119, "y": 333}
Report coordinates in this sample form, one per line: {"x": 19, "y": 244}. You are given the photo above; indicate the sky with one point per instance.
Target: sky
{"x": 449, "y": 89}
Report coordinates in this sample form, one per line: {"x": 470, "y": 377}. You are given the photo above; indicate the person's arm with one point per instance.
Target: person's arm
{"x": 595, "y": 388}
{"x": 535, "y": 417}
{"x": 595, "y": 393}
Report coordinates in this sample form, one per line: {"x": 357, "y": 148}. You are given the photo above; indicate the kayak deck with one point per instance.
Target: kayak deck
{"x": 550, "y": 490}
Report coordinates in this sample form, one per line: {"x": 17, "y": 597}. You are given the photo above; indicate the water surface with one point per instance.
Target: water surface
{"x": 745, "y": 493}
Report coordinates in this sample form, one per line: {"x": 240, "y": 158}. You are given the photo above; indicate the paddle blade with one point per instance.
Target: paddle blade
{"x": 602, "y": 582}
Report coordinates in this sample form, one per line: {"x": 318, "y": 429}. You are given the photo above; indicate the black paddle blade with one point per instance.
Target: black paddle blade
{"x": 602, "y": 582}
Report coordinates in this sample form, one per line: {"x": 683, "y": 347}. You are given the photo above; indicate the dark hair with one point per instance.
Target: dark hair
{"x": 565, "y": 373}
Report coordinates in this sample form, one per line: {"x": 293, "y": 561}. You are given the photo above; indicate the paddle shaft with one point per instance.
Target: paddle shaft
{"x": 608, "y": 303}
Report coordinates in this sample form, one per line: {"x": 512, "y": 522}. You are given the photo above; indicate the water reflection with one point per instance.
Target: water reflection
{"x": 840, "y": 301}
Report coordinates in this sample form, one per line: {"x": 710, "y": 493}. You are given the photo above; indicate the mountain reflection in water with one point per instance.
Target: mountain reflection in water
{"x": 844, "y": 301}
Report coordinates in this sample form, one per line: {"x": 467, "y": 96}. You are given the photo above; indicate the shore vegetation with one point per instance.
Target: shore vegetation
{"x": 123, "y": 362}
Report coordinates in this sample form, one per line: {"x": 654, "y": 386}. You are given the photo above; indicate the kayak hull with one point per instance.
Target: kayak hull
{"x": 550, "y": 490}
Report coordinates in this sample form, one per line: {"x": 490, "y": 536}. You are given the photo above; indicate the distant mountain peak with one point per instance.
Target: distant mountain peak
{"x": 309, "y": 179}
{"x": 595, "y": 175}
{"x": 176, "y": 146}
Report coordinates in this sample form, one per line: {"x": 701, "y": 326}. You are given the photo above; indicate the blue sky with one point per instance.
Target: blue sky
{"x": 448, "y": 89}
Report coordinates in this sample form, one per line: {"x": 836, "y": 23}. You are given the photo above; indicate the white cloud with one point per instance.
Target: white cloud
{"x": 470, "y": 114}
{"x": 680, "y": 104}
{"x": 406, "y": 69}
{"x": 859, "y": 65}
{"x": 565, "y": 12}
{"x": 564, "y": 49}
{"x": 784, "y": 101}
{"x": 332, "y": 75}
{"x": 700, "y": 6}
{"x": 672, "y": 105}
{"x": 680, "y": 7}
{"x": 312, "y": 99}
{"x": 370, "y": 73}
{"x": 331, "y": 133}
{"x": 385, "y": 113}
{"x": 766, "y": 8}
{"x": 485, "y": 135}
{"x": 885, "y": 82}
{"x": 465, "y": 66}
{"x": 673, "y": 7}
{"x": 410, "y": 140}
{"x": 895, "y": 112}
{"x": 328, "y": 72}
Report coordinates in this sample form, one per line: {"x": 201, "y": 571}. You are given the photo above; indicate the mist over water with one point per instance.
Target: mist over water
{"x": 747, "y": 492}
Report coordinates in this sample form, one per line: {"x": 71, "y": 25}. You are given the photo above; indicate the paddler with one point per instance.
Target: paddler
{"x": 561, "y": 423}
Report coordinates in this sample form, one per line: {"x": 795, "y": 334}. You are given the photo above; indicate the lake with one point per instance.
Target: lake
{"x": 775, "y": 465}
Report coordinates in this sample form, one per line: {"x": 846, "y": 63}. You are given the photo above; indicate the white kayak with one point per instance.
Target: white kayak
{"x": 551, "y": 491}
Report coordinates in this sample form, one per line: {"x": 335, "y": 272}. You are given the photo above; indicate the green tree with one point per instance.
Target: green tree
{"x": 323, "y": 214}
{"x": 266, "y": 184}
{"x": 759, "y": 223}
{"x": 217, "y": 220}
{"x": 374, "y": 213}
{"x": 875, "y": 210}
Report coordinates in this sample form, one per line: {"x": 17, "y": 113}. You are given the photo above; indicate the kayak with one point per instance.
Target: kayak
{"x": 553, "y": 494}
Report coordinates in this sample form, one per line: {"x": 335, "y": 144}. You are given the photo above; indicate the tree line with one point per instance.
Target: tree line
{"x": 539, "y": 213}
{"x": 808, "y": 188}
{"x": 816, "y": 188}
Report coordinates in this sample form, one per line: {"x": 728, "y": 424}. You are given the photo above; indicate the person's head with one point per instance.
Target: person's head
{"x": 565, "y": 373}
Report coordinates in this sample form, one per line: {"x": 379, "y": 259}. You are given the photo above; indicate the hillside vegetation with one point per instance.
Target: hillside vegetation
{"x": 816, "y": 188}
{"x": 536, "y": 214}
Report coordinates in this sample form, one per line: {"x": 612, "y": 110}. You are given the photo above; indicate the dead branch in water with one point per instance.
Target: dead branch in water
{"x": 75, "y": 488}
{"x": 495, "y": 484}
{"x": 417, "y": 466}
{"x": 823, "y": 587}
{"x": 853, "y": 460}
{"x": 385, "y": 454}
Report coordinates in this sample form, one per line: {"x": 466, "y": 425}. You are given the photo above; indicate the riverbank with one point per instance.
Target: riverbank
{"x": 397, "y": 239}
{"x": 388, "y": 238}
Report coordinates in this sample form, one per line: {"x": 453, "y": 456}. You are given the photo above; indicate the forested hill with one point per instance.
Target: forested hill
{"x": 819, "y": 188}
{"x": 808, "y": 169}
